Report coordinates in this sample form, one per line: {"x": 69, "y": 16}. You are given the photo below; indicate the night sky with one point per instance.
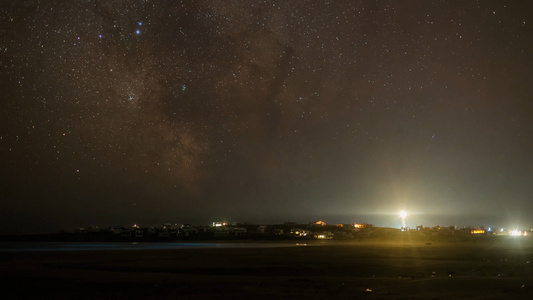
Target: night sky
{"x": 151, "y": 112}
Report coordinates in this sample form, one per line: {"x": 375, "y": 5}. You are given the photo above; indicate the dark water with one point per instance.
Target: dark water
{"x": 93, "y": 246}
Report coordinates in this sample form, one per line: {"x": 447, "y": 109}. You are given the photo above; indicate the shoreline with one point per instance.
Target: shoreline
{"x": 30, "y": 246}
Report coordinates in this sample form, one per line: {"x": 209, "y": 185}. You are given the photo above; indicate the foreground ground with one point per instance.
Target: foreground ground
{"x": 399, "y": 268}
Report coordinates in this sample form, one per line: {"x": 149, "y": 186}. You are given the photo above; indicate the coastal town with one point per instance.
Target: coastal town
{"x": 316, "y": 230}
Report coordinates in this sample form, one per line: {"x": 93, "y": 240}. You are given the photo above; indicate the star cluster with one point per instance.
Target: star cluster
{"x": 150, "y": 111}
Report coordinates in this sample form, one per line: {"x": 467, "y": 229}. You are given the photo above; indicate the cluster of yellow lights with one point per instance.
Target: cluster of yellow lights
{"x": 510, "y": 232}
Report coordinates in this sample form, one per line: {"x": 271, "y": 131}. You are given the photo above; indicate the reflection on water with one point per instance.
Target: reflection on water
{"x": 79, "y": 246}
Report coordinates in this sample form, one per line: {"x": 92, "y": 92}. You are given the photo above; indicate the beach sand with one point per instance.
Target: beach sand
{"x": 366, "y": 269}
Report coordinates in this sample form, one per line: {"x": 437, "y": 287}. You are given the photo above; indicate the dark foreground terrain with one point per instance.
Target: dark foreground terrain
{"x": 400, "y": 268}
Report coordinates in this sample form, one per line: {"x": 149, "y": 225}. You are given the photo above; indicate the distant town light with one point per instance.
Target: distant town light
{"x": 517, "y": 232}
{"x": 219, "y": 224}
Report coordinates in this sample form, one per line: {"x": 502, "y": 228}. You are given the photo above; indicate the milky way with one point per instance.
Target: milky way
{"x": 115, "y": 112}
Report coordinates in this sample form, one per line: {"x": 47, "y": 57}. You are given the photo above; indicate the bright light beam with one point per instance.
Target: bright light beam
{"x": 403, "y": 215}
